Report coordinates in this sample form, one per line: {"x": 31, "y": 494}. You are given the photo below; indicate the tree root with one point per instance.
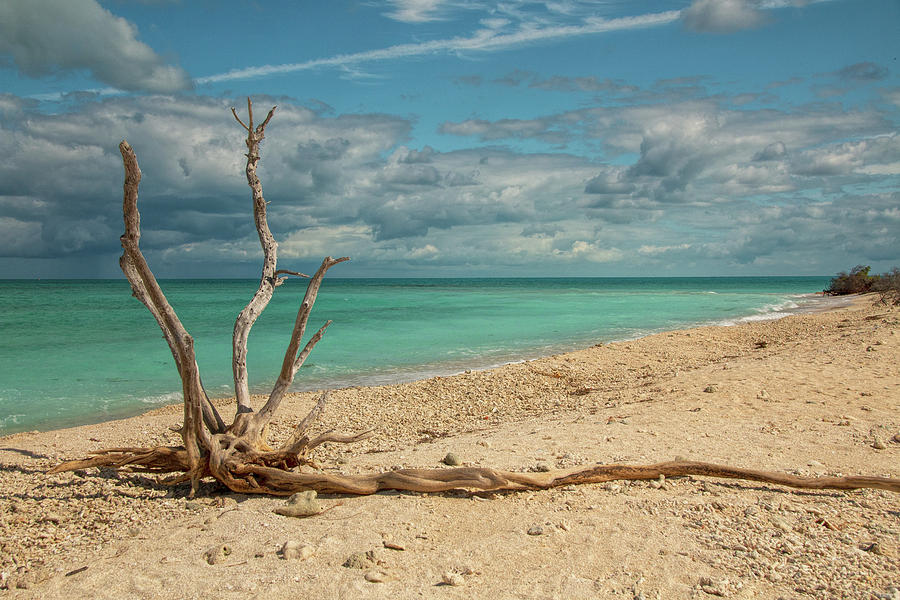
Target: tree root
{"x": 258, "y": 478}
{"x": 239, "y": 456}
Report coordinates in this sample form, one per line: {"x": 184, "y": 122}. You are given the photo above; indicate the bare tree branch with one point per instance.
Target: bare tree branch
{"x": 268, "y": 279}
{"x": 292, "y": 360}
{"x": 239, "y": 456}
{"x": 294, "y": 273}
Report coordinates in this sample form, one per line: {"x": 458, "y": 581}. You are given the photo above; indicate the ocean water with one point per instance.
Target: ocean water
{"x": 81, "y": 351}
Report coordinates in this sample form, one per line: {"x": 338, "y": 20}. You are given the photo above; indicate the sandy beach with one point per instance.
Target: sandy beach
{"x": 808, "y": 394}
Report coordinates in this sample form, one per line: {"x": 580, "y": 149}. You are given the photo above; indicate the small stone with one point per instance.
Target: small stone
{"x": 226, "y": 502}
{"x": 763, "y": 395}
{"x": 874, "y": 548}
{"x": 815, "y": 464}
{"x": 191, "y": 505}
{"x": 357, "y": 560}
{"x": 217, "y": 554}
{"x": 710, "y": 389}
{"x": 896, "y": 438}
{"x": 377, "y": 576}
{"x": 781, "y": 524}
{"x": 659, "y": 483}
{"x": 295, "y": 550}
{"x": 391, "y": 545}
{"x": 452, "y": 460}
{"x": 454, "y": 579}
{"x": 878, "y": 444}
{"x": 301, "y": 504}
{"x": 535, "y": 530}
{"x": 542, "y": 467}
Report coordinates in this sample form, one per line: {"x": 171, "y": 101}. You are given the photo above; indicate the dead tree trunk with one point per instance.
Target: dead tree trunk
{"x": 239, "y": 456}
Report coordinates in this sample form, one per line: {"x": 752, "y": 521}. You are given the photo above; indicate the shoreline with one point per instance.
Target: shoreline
{"x": 808, "y": 394}
{"x": 451, "y": 368}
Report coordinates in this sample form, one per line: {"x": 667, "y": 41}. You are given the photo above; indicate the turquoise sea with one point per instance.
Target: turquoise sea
{"x": 81, "y": 351}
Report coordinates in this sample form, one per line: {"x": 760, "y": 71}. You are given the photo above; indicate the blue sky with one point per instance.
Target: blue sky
{"x": 456, "y": 138}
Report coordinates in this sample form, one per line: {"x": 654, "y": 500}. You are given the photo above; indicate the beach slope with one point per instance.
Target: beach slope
{"x": 809, "y": 394}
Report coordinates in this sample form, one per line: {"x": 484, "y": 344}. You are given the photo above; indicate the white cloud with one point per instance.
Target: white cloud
{"x": 414, "y": 11}
{"x": 722, "y": 16}
{"x": 46, "y": 37}
{"x": 686, "y": 185}
{"x": 485, "y": 40}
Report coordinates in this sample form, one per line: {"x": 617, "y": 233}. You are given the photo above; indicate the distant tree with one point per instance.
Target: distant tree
{"x": 888, "y": 285}
{"x": 857, "y": 281}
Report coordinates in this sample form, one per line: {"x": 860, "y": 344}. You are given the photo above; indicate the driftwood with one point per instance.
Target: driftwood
{"x": 238, "y": 455}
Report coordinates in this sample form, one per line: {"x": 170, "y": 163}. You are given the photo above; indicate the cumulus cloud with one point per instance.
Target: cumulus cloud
{"x": 722, "y": 16}
{"x": 774, "y": 151}
{"x": 46, "y": 37}
{"x": 698, "y": 180}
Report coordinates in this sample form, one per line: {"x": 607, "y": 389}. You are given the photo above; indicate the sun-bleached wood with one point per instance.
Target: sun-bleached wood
{"x": 239, "y": 455}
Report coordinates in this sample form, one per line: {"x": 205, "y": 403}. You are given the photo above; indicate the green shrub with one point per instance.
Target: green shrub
{"x": 888, "y": 285}
{"x": 857, "y": 281}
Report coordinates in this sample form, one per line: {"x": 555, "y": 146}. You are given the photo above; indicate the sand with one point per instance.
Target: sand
{"x": 808, "y": 394}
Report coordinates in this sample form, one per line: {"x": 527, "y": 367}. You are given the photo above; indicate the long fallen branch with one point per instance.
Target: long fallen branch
{"x": 239, "y": 456}
{"x": 280, "y": 482}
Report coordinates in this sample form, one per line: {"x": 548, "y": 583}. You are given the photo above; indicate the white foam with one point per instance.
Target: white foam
{"x": 162, "y": 399}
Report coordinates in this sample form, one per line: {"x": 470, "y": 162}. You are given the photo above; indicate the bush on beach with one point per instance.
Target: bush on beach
{"x": 858, "y": 281}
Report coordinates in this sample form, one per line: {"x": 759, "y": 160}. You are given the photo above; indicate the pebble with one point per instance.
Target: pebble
{"x": 659, "y": 483}
{"x": 392, "y": 545}
{"x": 710, "y": 389}
{"x": 781, "y": 524}
{"x": 542, "y": 467}
{"x": 217, "y": 554}
{"x": 874, "y": 548}
{"x": 896, "y": 438}
{"x": 301, "y": 504}
{"x": 295, "y": 550}
{"x": 377, "y": 576}
{"x": 191, "y": 505}
{"x": 454, "y": 579}
{"x": 452, "y": 460}
{"x": 763, "y": 395}
{"x": 357, "y": 560}
{"x": 890, "y": 593}
{"x": 535, "y": 530}
{"x": 878, "y": 444}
